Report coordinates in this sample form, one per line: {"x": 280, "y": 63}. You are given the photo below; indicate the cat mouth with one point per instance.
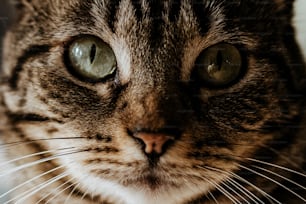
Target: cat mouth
{"x": 151, "y": 177}
{"x": 150, "y": 181}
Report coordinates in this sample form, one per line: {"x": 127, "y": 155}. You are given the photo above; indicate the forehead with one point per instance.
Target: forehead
{"x": 157, "y": 12}
{"x": 152, "y": 21}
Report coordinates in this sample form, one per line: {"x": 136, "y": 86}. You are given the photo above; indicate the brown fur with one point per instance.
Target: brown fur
{"x": 88, "y": 127}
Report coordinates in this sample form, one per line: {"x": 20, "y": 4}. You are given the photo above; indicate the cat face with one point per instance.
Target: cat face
{"x": 152, "y": 101}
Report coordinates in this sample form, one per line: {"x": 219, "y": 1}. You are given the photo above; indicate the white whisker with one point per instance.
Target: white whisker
{"x": 221, "y": 189}
{"x": 53, "y": 191}
{"x": 277, "y": 166}
{"x": 233, "y": 190}
{"x": 73, "y": 190}
{"x": 285, "y": 158}
{"x": 18, "y": 168}
{"x": 25, "y": 195}
{"x": 84, "y": 195}
{"x": 30, "y": 180}
{"x": 280, "y": 176}
{"x": 33, "y": 155}
{"x": 244, "y": 190}
{"x": 276, "y": 182}
{"x": 213, "y": 197}
{"x": 61, "y": 191}
{"x": 226, "y": 193}
{"x": 248, "y": 183}
{"x": 11, "y": 144}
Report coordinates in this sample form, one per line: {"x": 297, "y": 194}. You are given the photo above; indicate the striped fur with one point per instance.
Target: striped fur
{"x": 242, "y": 143}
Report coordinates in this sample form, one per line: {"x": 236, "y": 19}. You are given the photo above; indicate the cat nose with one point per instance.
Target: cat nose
{"x": 154, "y": 142}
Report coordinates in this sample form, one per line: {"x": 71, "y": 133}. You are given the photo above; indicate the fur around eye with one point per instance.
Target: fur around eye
{"x": 219, "y": 65}
{"x": 91, "y": 59}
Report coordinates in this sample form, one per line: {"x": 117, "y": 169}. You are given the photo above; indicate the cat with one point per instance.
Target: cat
{"x": 122, "y": 101}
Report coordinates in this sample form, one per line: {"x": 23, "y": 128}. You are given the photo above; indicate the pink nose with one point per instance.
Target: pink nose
{"x": 154, "y": 142}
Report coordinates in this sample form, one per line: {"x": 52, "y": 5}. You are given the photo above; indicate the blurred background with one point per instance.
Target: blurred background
{"x": 6, "y": 16}
{"x": 300, "y": 23}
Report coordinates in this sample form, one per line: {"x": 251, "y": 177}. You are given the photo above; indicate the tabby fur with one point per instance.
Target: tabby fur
{"x": 71, "y": 141}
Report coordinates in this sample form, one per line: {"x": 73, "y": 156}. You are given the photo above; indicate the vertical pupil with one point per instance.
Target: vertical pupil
{"x": 93, "y": 53}
{"x": 219, "y": 59}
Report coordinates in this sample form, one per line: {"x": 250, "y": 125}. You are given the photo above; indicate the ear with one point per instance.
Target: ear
{"x": 281, "y": 4}
{"x": 284, "y": 4}
{"x": 20, "y": 4}
{"x": 19, "y": 8}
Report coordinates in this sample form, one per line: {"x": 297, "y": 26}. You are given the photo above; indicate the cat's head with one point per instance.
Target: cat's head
{"x": 153, "y": 97}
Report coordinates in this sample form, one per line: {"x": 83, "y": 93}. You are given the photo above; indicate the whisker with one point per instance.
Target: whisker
{"x": 235, "y": 192}
{"x": 73, "y": 190}
{"x": 262, "y": 192}
{"x": 11, "y": 144}
{"x": 246, "y": 182}
{"x": 70, "y": 194}
{"x": 29, "y": 181}
{"x": 53, "y": 192}
{"x": 25, "y": 195}
{"x": 285, "y": 158}
{"x": 61, "y": 191}
{"x": 221, "y": 189}
{"x": 277, "y": 166}
{"x": 244, "y": 190}
{"x": 18, "y": 168}
{"x": 213, "y": 197}
{"x": 226, "y": 193}
{"x": 33, "y": 155}
{"x": 280, "y": 176}
{"x": 84, "y": 195}
{"x": 276, "y": 182}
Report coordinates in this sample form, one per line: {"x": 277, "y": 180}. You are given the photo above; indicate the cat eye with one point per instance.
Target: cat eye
{"x": 91, "y": 59}
{"x": 219, "y": 65}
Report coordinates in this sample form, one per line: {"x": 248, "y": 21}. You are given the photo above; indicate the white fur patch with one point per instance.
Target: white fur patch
{"x": 129, "y": 195}
{"x": 123, "y": 59}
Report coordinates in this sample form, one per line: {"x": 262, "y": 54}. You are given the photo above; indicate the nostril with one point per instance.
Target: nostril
{"x": 154, "y": 142}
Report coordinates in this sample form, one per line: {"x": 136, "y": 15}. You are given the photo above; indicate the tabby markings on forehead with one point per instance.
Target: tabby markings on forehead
{"x": 130, "y": 18}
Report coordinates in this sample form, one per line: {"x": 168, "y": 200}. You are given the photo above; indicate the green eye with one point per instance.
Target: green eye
{"x": 91, "y": 59}
{"x": 219, "y": 65}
